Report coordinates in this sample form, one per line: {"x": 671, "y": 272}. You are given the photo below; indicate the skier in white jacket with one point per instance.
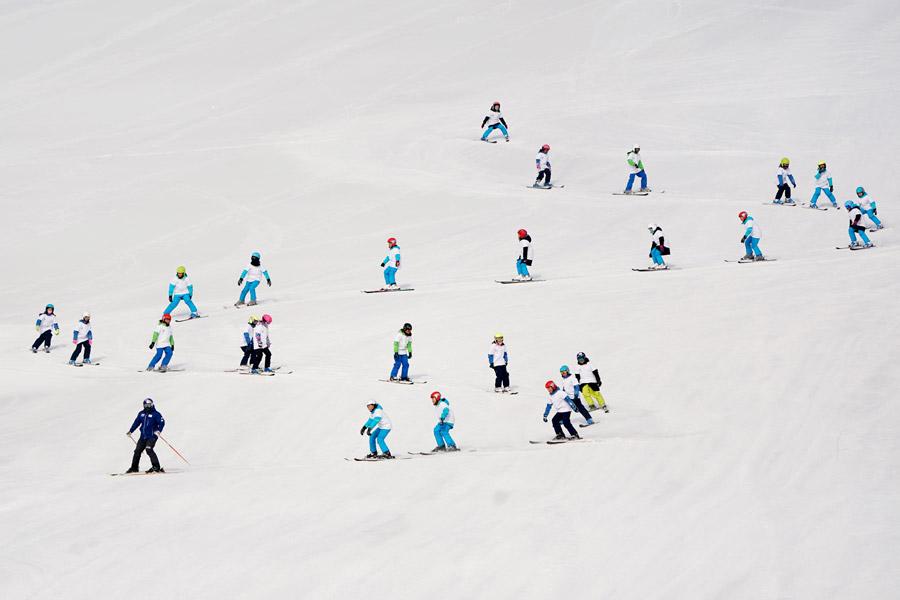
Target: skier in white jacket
{"x": 47, "y": 327}
{"x": 494, "y": 120}
{"x": 261, "y": 344}
{"x": 558, "y": 404}
{"x": 83, "y": 338}
{"x": 542, "y": 163}
{"x": 250, "y": 278}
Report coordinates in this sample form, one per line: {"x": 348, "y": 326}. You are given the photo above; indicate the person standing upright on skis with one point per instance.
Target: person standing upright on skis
{"x": 250, "y": 279}
{"x": 498, "y": 360}
{"x": 526, "y": 256}
{"x": 542, "y": 162}
{"x": 784, "y": 175}
{"x": 83, "y": 338}
{"x": 391, "y": 264}
{"x": 824, "y": 184}
{"x": 751, "y": 237}
{"x": 636, "y": 169}
{"x": 402, "y": 353}
{"x": 47, "y": 327}
{"x": 181, "y": 290}
{"x": 151, "y": 424}
{"x": 494, "y": 120}
{"x": 164, "y": 343}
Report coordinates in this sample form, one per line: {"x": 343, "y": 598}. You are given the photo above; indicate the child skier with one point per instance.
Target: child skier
{"x": 164, "y": 342}
{"x": 261, "y": 344}
{"x": 589, "y": 383}
{"x": 525, "y": 256}
{"x": 658, "y": 247}
{"x": 542, "y": 162}
{"x": 494, "y": 120}
{"x": 751, "y": 237}
{"x": 390, "y": 264}
{"x": 867, "y": 206}
{"x": 445, "y": 423}
{"x": 784, "y": 175}
{"x": 498, "y": 360}
{"x": 250, "y": 279}
{"x": 377, "y": 427}
{"x": 151, "y": 424}
{"x": 824, "y": 184}
{"x": 402, "y": 353}
{"x": 562, "y": 412}
{"x": 636, "y": 169}
{"x": 856, "y": 226}
{"x": 571, "y": 388}
{"x": 247, "y": 346}
{"x": 181, "y": 289}
{"x": 83, "y": 338}
{"x": 47, "y": 326}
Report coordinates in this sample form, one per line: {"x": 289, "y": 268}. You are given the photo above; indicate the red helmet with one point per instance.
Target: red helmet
{"x": 167, "y": 318}
{"x": 496, "y": 103}
{"x": 522, "y": 233}
{"x": 545, "y": 148}
{"x": 392, "y": 241}
{"x": 742, "y": 215}
{"x": 550, "y": 385}
{"x": 435, "y": 396}
{"x": 266, "y": 319}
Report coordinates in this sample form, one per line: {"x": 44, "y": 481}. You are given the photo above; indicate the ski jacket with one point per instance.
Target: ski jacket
{"x": 526, "y": 254}
{"x": 493, "y": 118}
{"x": 444, "y": 412}
{"x": 823, "y": 179}
{"x": 162, "y": 336}
{"x": 252, "y": 273}
{"x": 181, "y": 286}
{"x": 497, "y": 356}
{"x": 557, "y": 403}
{"x": 402, "y": 344}
{"x": 247, "y": 337}
{"x": 261, "y": 337}
{"x": 570, "y": 386}
{"x": 586, "y": 375}
{"x": 784, "y": 174}
{"x": 82, "y": 332}
{"x": 392, "y": 259}
{"x": 378, "y": 419}
{"x": 149, "y": 422}
{"x": 47, "y": 322}
{"x": 855, "y": 215}
{"x": 751, "y": 229}
{"x": 658, "y": 240}
{"x": 542, "y": 160}
{"x": 865, "y": 203}
{"x": 635, "y": 164}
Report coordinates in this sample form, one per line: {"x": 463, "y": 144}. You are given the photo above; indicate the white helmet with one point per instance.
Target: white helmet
{"x": 86, "y": 315}
{"x": 653, "y": 227}
{"x": 637, "y": 146}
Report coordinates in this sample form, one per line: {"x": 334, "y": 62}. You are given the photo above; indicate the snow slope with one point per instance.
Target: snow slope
{"x": 751, "y": 451}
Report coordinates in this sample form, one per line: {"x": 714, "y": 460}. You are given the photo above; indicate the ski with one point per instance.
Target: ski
{"x": 433, "y": 453}
{"x": 770, "y": 203}
{"x": 545, "y": 187}
{"x": 490, "y": 141}
{"x": 854, "y": 248}
{"x": 158, "y": 371}
{"x": 402, "y": 382}
{"x": 144, "y": 473}
{"x": 506, "y": 281}
{"x": 381, "y": 291}
{"x": 248, "y": 369}
{"x": 631, "y": 194}
{"x": 645, "y": 270}
{"x": 587, "y": 424}
{"x": 191, "y": 318}
{"x": 508, "y": 393}
{"x": 811, "y": 207}
{"x": 90, "y": 364}
{"x": 379, "y": 459}
{"x": 554, "y": 442}
{"x": 744, "y": 261}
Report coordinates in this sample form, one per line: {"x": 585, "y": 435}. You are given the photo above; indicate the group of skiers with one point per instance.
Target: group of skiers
{"x": 256, "y": 345}
{"x": 566, "y": 397}
{"x": 379, "y": 425}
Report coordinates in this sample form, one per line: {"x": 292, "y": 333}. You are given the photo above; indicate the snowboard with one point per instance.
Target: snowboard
{"x": 381, "y": 291}
{"x": 506, "y": 281}
{"x": 191, "y": 318}
{"x": 403, "y": 382}
{"x": 745, "y": 261}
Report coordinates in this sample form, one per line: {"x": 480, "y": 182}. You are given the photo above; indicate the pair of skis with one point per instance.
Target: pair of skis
{"x": 398, "y": 381}
{"x": 410, "y": 456}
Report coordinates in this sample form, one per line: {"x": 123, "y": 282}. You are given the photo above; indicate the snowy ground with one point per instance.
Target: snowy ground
{"x": 752, "y": 447}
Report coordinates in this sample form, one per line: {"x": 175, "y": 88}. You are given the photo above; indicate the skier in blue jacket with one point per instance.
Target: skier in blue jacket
{"x": 824, "y": 184}
{"x": 445, "y": 423}
{"x": 867, "y": 206}
{"x": 151, "y": 424}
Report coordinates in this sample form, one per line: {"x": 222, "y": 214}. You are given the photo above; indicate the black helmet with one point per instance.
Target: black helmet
{"x": 581, "y": 358}
{"x": 407, "y": 326}
{"x": 148, "y": 402}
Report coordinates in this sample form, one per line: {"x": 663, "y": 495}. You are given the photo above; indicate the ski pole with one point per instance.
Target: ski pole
{"x": 132, "y": 439}
{"x": 159, "y": 435}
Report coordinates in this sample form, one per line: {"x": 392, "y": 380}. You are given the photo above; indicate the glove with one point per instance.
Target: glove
{"x": 240, "y": 280}
{"x": 56, "y": 332}
{"x": 545, "y": 419}
{"x": 874, "y": 211}
{"x": 37, "y": 327}
{"x": 383, "y": 263}
{"x": 490, "y": 366}
{"x": 442, "y": 421}
{"x": 152, "y": 344}
{"x": 369, "y": 431}
{"x": 409, "y": 356}
{"x": 269, "y": 281}
{"x": 362, "y": 430}
{"x": 396, "y": 355}
{"x": 74, "y": 341}
{"x": 127, "y": 434}
{"x": 743, "y": 239}
{"x": 172, "y": 346}
{"x": 830, "y": 188}
{"x": 170, "y": 297}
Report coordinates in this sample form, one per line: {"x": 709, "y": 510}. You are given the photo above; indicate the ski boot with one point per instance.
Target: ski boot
{"x": 854, "y": 244}
{"x": 195, "y": 315}
{"x": 559, "y": 437}
{"x": 833, "y": 205}
{"x": 254, "y": 371}
{"x": 155, "y": 470}
{"x": 869, "y": 245}
{"x": 759, "y": 258}
{"x": 47, "y": 349}
{"x": 386, "y": 456}
{"x": 644, "y": 190}
{"x": 239, "y": 304}
{"x": 452, "y": 449}
{"x": 87, "y": 361}
{"x": 132, "y": 470}
{"x": 163, "y": 369}
{"x": 393, "y": 379}
{"x": 251, "y": 303}
{"x": 507, "y": 138}
{"x": 372, "y": 455}
{"x": 268, "y": 370}
{"x": 149, "y": 369}
{"x": 628, "y": 192}
{"x": 574, "y": 437}
{"x": 72, "y": 362}
{"x": 776, "y": 201}
{"x": 405, "y": 379}
{"x": 497, "y": 390}
{"x": 789, "y": 202}
{"x": 747, "y": 257}
{"x": 605, "y": 408}
{"x": 505, "y": 390}
{"x": 34, "y": 350}
{"x": 526, "y": 277}
{"x": 440, "y": 449}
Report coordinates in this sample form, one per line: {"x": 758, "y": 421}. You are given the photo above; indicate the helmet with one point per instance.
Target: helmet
{"x": 253, "y": 319}
{"x": 498, "y": 336}
{"x": 637, "y": 147}
{"x": 522, "y": 233}
{"x": 860, "y": 191}
{"x": 821, "y": 163}
{"x": 581, "y": 357}
{"x": 435, "y": 396}
{"x": 407, "y": 326}
{"x": 785, "y": 161}
{"x": 743, "y": 215}
{"x": 148, "y": 402}
{"x": 564, "y": 369}
{"x": 166, "y": 317}
{"x": 267, "y": 319}
{"x": 392, "y": 241}
{"x": 371, "y": 403}
{"x": 545, "y": 148}
{"x": 50, "y": 306}
{"x": 550, "y": 385}
{"x": 181, "y": 270}
{"x": 86, "y": 315}
{"x": 848, "y": 204}
{"x": 652, "y": 226}
{"x": 255, "y": 255}
{"x": 496, "y": 103}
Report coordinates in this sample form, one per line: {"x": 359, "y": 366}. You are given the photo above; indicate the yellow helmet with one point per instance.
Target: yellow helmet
{"x": 498, "y": 336}
{"x": 785, "y": 161}
{"x": 253, "y": 319}
{"x": 181, "y": 270}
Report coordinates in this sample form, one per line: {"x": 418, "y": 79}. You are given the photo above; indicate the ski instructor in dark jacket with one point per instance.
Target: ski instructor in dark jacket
{"x": 151, "y": 424}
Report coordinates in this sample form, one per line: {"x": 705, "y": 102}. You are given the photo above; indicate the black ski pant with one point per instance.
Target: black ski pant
{"x": 87, "y": 350}
{"x": 248, "y": 353}
{"x": 783, "y": 189}
{"x": 257, "y": 357}
{"x": 141, "y": 446}
{"x": 579, "y": 406}
{"x": 563, "y": 419}
{"x": 44, "y": 338}
{"x": 545, "y": 174}
{"x": 501, "y": 376}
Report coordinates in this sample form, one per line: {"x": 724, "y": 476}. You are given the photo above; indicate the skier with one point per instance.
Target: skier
{"x": 83, "y": 338}
{"x": 391, "y": 264}
{"x": 525, "y": 256}
{"x": 164, "y": 342}
{"x": 658, "y": 247}
{"x": 562, "y": 412}
{"x": 181, "y": 289}
{"x": 445, "y": 423}
{"x": 47, "y": 326}
{"x": 751, "y": 237}
{"x": 824, "y": 184}
{"x": 494, "y": 120}
{"x": 151, "y": 424}
{"x": 589, "y": 383}
{"x": 261, "y": 344}
{"x": 856, "y": 226}
{"x": 571, "y": 388}
{"x": 250, "y": 278}
{"x": 377, "y": 427}
{"x": 636, "y": 169}
{"x": 247, "y": 346}
{"x": 784, "y": 175}
{"x": 402, "y": 353}
{"x": 542, "y": 162}
{"x": 498, "y": 360}
{"x": 867, "y": 206}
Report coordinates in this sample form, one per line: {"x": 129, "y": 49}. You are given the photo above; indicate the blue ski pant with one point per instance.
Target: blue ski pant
{"x": 249, "y": 287}
{"x": 491, "y": 128}
{"x": 871, "y": 214}
{"x": 751, "y": 245}
{"x": 390, "y": 275}
{"x": 631, "y": 177}
{"x": 815, "y": 196}
{"x": 656, "y": 256}
{"x": 160, "y": 352}
{"x": 378, "y": 437}
{"x": 402, "y": 361}
{"x": 861, "y": 232}
{"x": 521, "y": 268}
{"x": 442, "y": 435}
{"x": 178, "y": 299}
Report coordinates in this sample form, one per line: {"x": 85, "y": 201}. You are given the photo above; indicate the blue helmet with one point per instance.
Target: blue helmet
{"x": 50, "y": 306}
{"x": 256, "y": 255}
{"x": 848, "y": 204}
{"x": 564, "y": 369}
{"x": 860, "y": 191}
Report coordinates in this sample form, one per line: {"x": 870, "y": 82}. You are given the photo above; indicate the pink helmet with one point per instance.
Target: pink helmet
{"x": 545, "y": 148}
{"x": 267, "y": 319}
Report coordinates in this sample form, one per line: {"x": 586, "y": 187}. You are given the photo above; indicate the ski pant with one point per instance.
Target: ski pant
{"x": 249, "y": 287}
{"x": 401, "y": 365}
{"x": 248, "y": 354}
{"x": 522, "y": 268}
{"x": 257, "y": 357}
{"x": 579, "y": 406}
{"x": 86, "y": 344}
{"x": 390, "y": 275}
{"x": 442, "y": 435}
{"x": 378, "y": 437}
{"x": 501, "y": 376}
{"x": 783, "y": 189}
{"x": 491, "y": 128}
{"x": 545, "y": 175}
{"x": 164, "y": 353}
{"x": 751, "y": 245}
{"x": 145, "y": 445}
{"x": 178, "y": 299}
{"x": 44, "y": 338}
{"x": 593, "y": 396}
{"x": 871, "y": 214}
{"x": 631, "y": 177}
{"x": 853, "y": 231}
{"x": 656, "y": 256}
{"x": 563, "y": 419}
{"x": 815, "y": 196}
